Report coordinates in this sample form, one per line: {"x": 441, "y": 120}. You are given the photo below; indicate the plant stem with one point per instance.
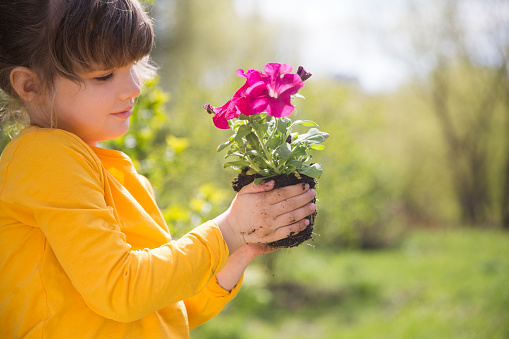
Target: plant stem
{"x": 253, "y": 165}
{"x": 267, "y": 154}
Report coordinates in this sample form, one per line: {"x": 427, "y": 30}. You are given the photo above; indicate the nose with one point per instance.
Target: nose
{"x": 132, "y": 85}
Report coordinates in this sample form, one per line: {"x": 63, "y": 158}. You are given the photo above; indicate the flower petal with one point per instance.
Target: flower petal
{"x": 290, "y": 83}
{"x": 258, "y": 105}
{"x": 275, "y": 69}
{"x": 257, "y": 90}
{"x": 220, "y": 121}
{"x": 241, "y": 91}
{"x": 240, "y": 72}
{"x": 256, "y": 76}
{"x": 279, "y": 108}
{"x": 242, "y": 106}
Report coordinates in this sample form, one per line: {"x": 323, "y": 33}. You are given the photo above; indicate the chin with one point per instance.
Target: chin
{"x": 113, "y": 134}
{"x": 123, "y": 129}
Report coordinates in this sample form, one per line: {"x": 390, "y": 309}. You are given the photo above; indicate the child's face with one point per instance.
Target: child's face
{"x": 98, "y": 109}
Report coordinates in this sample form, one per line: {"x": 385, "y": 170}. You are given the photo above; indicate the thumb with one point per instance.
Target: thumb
{"x": 263, "y": 186}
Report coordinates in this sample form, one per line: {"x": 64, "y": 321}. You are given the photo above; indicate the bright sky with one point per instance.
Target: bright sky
{"x": 357, "y": 38}
{"x": 342, "y": 37}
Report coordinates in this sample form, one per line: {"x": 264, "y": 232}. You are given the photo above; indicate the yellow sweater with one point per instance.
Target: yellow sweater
{"x": 85, "y": 252}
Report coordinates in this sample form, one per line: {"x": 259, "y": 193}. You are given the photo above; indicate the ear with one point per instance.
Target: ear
{"x": 26, "y": 83}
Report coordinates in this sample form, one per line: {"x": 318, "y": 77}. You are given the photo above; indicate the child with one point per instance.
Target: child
{"x": 84, "y": 250}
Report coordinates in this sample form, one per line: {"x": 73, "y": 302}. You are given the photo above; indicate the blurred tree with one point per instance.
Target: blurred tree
{"x": 465, "y": 90}
{"x": 205, "y": 42}
{"x": 505, "y": 187}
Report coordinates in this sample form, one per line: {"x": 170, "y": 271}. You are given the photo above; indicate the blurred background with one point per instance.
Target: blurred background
{"x": 413, "y": 214}
{"x": 412, "y": 233}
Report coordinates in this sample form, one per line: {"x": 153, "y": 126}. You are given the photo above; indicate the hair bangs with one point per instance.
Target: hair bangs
{"x": 101, "y": 35}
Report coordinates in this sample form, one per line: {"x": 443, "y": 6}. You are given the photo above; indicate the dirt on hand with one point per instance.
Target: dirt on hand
{"x": 283, "y": 180}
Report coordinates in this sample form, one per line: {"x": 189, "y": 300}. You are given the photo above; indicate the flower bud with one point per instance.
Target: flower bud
{"x": 209, "y": 109}
{"x": 303, "y": 74}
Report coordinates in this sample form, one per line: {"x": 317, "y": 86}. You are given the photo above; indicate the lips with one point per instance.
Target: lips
{"x": 123, "y": 114}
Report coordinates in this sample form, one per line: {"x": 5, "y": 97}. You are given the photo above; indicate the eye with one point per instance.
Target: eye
{"x": 104, "y": 77}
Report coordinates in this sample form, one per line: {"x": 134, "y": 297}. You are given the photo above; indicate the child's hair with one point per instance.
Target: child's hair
{"x": 61, "y": 37}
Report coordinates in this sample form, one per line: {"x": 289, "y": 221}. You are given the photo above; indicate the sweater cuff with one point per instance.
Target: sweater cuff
{"x": 214, "y": 290}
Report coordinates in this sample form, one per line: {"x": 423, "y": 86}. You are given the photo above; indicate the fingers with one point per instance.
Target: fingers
{"x": 263, "y": 186}
{"x": 294, "y": 203}
{"x": 261, "y": 214}
{"x": 286, "y": 231}
{"x": 280, "y": 194}
{"x": 295, "y": 215}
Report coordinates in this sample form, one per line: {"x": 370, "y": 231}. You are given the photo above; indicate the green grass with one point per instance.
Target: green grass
{"x": 437, "y": 284}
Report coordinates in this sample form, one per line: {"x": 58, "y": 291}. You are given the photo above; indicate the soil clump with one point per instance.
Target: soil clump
{"x": 283, "y": 180}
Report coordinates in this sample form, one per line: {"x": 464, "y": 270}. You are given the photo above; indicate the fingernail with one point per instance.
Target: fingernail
{"x": 305, "y": 187}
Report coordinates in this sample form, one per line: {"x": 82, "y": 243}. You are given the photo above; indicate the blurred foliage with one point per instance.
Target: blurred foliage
{"x": 10, "y": 124}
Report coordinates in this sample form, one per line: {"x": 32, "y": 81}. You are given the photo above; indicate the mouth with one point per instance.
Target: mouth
{"x": 123, "y": 114}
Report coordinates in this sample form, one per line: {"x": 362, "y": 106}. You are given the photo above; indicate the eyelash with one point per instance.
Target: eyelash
{"x": 104, "y": 78}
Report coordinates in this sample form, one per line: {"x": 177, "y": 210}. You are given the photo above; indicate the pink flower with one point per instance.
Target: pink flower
{"x": 261, "y": 92}
{"x": 271, "y": 91}
{"x": 231, "y": 110}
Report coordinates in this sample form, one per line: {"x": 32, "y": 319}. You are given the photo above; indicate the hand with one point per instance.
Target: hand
{"x": 260, "y": 214}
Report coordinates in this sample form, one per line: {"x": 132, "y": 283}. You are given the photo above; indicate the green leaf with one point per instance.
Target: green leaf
{"x": 256, "y": 125}
{"x": 313, "y": 136}
{"x": 281, "y": 126}
{"x": 223, "y": 145}
{"x": 299, "y": 151}
{"x": 264, "y": 127}
{"x": 257, "y": 181}
{"x": 273, "y": 143}
{"x": 294, "y": 136}
{"x": 289, "y": 170}
{"x": 233, "y": 153}
{"x": 252, "y": 139}
{"x": 265, "y": 172}
{"x": 237, "y": 124}
{"x": 317, "y": 147}
{"x": 239, "y": 164}
{"x": 252, "y": 153}
{"x": 307, "y": 123}
{"x": 283, "y": 150}
{"x": 239, "y": 141}
{"x": 294, "y": 163}
{"x": 243, "y": 131}
{"x": 313, "y": 171}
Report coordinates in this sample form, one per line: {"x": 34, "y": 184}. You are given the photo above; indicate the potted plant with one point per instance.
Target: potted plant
{"x": 265, "y": 143}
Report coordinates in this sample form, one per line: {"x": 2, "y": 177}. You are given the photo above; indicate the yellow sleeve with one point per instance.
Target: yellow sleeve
{"x": 57, "y": 184}
{"x": 209, "y": 302}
